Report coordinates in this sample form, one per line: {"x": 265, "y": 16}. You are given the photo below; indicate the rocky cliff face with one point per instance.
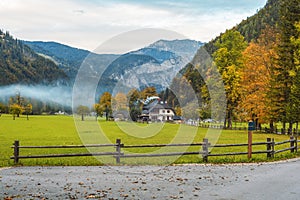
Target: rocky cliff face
{"x": 168, "y": 58}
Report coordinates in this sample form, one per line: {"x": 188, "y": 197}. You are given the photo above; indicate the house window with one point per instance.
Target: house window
{"x": 163, "y": 111}
{"x": 168, "y": 111}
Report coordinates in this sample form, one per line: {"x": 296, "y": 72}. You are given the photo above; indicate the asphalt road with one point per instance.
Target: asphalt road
{"x": 241, "y": 181}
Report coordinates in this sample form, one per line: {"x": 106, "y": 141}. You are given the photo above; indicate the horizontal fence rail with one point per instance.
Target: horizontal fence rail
{"x": 205, "y": 151}
{"x": 281, "y": 131}
{"x": 68, "y": 146}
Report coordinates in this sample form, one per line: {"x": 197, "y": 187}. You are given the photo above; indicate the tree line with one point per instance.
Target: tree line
{"x": 261, "y": 76}
{"x": 17, "y": 105}
{"x": 130, "y": 102}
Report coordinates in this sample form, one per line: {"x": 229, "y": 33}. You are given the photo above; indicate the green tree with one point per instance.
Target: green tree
{"x": 98, "y": 109}
{"x": 28, "y": 110}
{"x": 295, "y": 90}
{"x": 15, "y": 109}
{"x": 2, "y": 108}
{"x": 19, "y": 100}
{"x": 82, "y": 110}
{"x": 284, "y": 72}
{"x": 228, "y": 58}
{"x": 135, "y": 107}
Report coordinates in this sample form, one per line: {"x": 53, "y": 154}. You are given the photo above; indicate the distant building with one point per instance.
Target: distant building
{"x": 162, "y": 112}
{"x": 120, "y": 115}
{"x": 157, "y": 112}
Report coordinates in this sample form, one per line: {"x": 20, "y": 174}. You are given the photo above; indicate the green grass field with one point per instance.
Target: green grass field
{"x": 61, "y": 130}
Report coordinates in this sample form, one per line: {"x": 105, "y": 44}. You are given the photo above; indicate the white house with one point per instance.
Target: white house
{"x": 157, "y": 111}
{"x": 161, "y": 112}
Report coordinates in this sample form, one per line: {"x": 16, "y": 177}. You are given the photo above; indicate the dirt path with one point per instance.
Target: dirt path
{"x": 243, "y": 181}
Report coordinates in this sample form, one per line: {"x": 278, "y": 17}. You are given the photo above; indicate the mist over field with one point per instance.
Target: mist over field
{"x": 52, "y": 94}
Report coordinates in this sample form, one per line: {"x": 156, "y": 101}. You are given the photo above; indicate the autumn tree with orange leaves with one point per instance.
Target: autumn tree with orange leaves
{"x": 255, "y": 78}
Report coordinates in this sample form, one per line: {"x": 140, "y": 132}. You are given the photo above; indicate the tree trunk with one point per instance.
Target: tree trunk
{"x": 271, "y": 127}
{"x": 229, "y": 122}
{"x": 256, "y": 124}
{"x": 290, "y": 128}
{"x": 283, "y": 127}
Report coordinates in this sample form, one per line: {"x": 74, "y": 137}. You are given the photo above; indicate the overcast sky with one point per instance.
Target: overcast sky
{"x": 88, "y": 23}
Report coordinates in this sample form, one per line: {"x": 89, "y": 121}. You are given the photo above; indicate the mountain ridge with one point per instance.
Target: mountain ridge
{"x": 69, "y": 58}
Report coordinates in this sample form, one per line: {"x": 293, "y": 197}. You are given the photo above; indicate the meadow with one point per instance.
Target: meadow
{"x": 65, "y": 130}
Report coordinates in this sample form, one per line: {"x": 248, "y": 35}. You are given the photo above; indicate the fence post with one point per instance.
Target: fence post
{"x": 16, "y": 151}
{"x": 249, "y": 144}
{"x": 296, "y": 144}
{"x": 292, "y": 144}
{"x": 205, "y": 150}
{"x": 269, "y": 148}
{"x": 118, "y": 150}
{"x": 251, "y": 127}
{"x": 273, "y": 148}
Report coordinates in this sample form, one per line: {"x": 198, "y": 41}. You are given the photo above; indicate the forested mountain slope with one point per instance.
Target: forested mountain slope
{"x": 20, "y": 64}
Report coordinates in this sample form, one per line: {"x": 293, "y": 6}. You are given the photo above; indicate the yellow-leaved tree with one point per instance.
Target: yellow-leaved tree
{"x": 228, "y": 59}
{"x": 120, "y": 102}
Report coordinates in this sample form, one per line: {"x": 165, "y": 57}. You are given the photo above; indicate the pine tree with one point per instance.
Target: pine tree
{"x": 284, "y": 71}
{"x": 295, "y": 90}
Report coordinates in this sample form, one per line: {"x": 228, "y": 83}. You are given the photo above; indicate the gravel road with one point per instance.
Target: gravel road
{"x": 240, "y": 181}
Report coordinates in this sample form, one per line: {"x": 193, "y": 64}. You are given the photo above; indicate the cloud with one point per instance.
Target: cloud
{"x": 86, "y": 24}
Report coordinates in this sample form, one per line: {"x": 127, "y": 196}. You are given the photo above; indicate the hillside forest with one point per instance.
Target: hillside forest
{"x": 259, "y": 61}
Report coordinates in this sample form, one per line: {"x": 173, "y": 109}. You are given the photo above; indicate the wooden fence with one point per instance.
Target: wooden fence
{"x": 218, "y": 126}
{"x": 205, "y": 152}
{"x": 281, "y": 131}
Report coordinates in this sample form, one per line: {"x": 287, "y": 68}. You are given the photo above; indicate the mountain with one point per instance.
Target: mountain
{"x": 155, "y": 65}
{"x": 179, "y": 47}
{"x": 149, "y": 64}
{"x": 67, "y": 58}
{"x": 20, "y": 64}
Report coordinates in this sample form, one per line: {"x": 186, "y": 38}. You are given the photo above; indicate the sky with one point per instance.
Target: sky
{"x": 86, "y": 24}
